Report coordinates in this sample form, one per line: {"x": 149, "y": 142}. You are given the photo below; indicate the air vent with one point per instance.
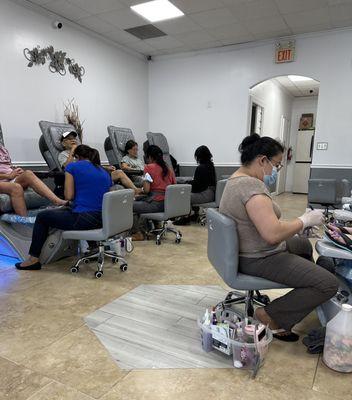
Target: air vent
{"x": 146, "y": 31}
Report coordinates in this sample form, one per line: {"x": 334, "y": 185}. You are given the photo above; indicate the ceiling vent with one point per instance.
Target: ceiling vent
{"x": 146, "y": 32}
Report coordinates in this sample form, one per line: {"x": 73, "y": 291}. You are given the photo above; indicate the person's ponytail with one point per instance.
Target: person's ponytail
{"x": 155, "y": 153}
{"x": 88, "y": 153}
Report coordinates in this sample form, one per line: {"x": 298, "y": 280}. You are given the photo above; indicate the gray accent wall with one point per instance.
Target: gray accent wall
{"x": 188, "y": 170}
{"x": 331, "y": 173}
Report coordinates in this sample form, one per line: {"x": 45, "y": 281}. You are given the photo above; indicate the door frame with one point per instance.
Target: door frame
{"x": 259, "y": 102}
{"x": 285, "y": 139}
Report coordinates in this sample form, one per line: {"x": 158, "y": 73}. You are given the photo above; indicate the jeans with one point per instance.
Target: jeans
{"x": 63, "y": 219}
{"x": 312, "y": 285}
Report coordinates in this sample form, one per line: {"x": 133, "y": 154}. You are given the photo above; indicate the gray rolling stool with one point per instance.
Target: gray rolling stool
{"x": 223, "y": 248}
{"x": 117, "y": 215}
{"x": 177, "y": 204}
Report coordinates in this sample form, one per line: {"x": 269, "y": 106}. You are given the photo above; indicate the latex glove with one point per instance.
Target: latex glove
{"x": 311, "y": 232}
{"x": 311, "y": 218}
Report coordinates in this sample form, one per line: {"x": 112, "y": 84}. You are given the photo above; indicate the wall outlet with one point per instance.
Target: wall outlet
{"x": 322, "y": 145}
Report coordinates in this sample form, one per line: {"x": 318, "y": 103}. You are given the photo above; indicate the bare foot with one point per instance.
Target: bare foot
{"x": 334, "y": 228}
{"x": 336, "y": 235}
{"x": 61, "y": 202}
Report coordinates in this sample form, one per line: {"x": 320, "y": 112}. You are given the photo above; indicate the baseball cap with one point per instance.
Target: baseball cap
{"x": 68, "y": 133}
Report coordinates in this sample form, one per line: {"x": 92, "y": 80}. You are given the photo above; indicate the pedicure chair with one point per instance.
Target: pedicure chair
{"x": 15, "y": 238}
{"x": 331, "y": 255}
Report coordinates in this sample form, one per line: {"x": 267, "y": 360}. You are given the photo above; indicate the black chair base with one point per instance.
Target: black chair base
{"x": 249, "y": 298}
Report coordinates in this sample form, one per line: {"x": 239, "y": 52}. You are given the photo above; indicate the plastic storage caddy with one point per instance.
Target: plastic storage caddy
{"x": 247, "y": 345}
{"x": 250, "y": 355}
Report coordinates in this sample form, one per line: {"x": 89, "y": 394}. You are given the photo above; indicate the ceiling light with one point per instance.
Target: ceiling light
{"x": 157, "y": 10}
{"x": 298, "y": 78}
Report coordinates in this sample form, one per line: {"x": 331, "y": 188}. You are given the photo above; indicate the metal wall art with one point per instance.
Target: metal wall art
{"x": 57, "y": 61}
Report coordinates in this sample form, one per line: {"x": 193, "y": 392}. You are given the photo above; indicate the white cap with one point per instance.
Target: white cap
{"x": 67, "y": 133}
{"x": 346, "y": 307}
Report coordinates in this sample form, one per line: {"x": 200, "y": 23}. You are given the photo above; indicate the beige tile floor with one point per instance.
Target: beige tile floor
{"x": 46, "y": 351}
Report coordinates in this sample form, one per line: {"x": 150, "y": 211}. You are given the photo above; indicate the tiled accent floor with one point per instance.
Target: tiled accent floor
{"x": 155, "y": 326}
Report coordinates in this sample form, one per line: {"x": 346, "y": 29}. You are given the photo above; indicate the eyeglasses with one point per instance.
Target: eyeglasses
{"x": 278, "y": 165}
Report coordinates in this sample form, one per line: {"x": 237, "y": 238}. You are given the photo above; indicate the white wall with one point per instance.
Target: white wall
{"x": 301, "y": 105}
{"x": 276, "y": 102}
{"x": 114, "y": 89}
{"x": 183, "y": 87}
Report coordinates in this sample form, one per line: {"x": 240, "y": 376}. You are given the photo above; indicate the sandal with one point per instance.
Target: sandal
{"x": 285, "y": 336}
{"x": 138, "y": 237}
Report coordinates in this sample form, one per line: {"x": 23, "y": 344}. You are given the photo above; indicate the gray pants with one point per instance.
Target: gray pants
{"x": 312, "y": 284}
{"x": 142, "y": 207}
{"x": 206, "y": 196}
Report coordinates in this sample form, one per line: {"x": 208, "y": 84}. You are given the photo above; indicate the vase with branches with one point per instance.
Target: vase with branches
{"x": 72, "y": 117}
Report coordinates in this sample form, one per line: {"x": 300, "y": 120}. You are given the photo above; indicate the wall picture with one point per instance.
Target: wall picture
{"x": 306, "y": 122}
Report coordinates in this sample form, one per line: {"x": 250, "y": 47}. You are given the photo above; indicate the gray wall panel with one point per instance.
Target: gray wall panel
{"x": 220, "y": 171}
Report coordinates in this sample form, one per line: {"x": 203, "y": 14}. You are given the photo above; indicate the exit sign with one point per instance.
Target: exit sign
{"x": 285, "y": 52}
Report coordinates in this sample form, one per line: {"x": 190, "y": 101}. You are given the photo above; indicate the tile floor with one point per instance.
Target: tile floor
{"x": 47, "y": 351}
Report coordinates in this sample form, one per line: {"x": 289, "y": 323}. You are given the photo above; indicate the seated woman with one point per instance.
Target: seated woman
{"x": 69, "y": 143}
{"x": 157, "y": 177}
{"x": 86, "y": 182}
{"x": 203, "y": 183}
{"x": 268, "y": 246}
{"x": 131, "y": 162}
{"x": 13, "y": 182}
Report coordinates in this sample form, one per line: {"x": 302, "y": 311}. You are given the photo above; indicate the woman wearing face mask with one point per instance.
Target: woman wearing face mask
{"x": 268, "y": 246}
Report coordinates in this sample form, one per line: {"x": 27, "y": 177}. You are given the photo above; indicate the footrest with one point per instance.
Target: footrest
{"x": 328, "y": 249}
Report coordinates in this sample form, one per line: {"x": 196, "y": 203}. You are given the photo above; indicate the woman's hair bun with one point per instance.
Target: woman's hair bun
{"x": 253, "y": 146}
{"x": 249, "y": 141}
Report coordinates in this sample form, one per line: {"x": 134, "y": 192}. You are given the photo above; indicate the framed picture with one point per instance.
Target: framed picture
{"x": 306, "y": 122}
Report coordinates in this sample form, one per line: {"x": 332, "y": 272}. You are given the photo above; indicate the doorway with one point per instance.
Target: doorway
{"x": 285, "y": 109}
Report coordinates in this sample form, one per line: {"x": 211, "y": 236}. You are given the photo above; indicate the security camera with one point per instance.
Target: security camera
{"x": 149, "y": 58}
{"x": 57, "y": 25}
{"x": 311, "y": 91}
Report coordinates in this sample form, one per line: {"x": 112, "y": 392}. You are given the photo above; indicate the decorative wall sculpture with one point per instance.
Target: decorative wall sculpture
{"x": 57, "y": 61}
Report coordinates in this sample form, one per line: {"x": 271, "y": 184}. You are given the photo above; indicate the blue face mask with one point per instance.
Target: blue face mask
{"x": 270, "y": 180}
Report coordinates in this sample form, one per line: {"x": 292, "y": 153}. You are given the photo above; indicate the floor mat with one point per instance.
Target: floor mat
{"x": 155, "y": 326}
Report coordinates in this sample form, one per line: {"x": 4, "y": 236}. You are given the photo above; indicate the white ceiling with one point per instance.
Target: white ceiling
{"x": 206, "y": 23}
{"x": 298, "y": 89}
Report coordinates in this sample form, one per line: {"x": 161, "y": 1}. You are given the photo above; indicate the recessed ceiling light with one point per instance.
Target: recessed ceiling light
{"x": 157, "y": 10}
{"x": 298, "y": 78}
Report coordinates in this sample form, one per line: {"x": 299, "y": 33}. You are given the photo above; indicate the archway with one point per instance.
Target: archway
{"x": 285, "y": 108}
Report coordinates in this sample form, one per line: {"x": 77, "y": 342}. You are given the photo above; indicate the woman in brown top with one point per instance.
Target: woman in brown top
{"x": 269, "y": 247}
